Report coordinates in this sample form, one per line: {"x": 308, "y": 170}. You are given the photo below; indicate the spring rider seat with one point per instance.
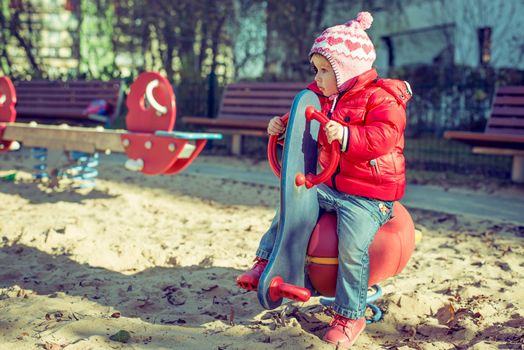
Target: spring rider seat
{"x": 304, "y": 258}
{"x": 388, "y": 254}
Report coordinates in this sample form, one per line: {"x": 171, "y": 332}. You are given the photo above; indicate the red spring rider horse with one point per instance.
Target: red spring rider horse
{"x": 388, "y": 253}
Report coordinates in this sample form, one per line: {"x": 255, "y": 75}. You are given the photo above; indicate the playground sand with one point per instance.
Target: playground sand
{"x": 157, "y": 257}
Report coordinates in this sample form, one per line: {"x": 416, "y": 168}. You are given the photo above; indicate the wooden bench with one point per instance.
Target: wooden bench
{"x": 58, "y": 102}
{"x": 504, "y": 133}
{"x": 246, "y": 109}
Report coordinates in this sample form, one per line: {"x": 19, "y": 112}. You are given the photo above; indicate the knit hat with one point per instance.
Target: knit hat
{"x": 348, "y": 48}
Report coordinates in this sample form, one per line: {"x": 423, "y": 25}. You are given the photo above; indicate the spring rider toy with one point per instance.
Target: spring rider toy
{"x": 304, "y": 261}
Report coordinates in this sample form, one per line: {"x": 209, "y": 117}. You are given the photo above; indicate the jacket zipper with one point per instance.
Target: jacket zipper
{"x": 337, "y": 171}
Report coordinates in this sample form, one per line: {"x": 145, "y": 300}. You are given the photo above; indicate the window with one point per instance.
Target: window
{"x": 391, "y": 52}
{"x": 426, "y": 45}
{"x": 484, "y": 35}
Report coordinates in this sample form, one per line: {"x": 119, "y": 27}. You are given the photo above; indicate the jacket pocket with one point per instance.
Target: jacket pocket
{"x": 375, "y": 171}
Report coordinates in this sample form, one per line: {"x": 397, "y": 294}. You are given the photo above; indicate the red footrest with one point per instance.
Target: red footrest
{"x": 279, "y": 289}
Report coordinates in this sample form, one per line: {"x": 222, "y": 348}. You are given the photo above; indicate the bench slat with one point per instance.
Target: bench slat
{"x": 68, "y": 101}
{"x": 51, "y": 90}
{"x": 513, "y": 90}
{"x": 79, "y": 83}
{"x": 50, "y": 112}
{"x": 483, "y": 136}
{"x": 255, "y": 111}
{"x": 287, "y": 95}
{"x": 511, "y": 122}
{"x": 483, "y": 139}
{"x": 247, "y": 118}
{"x": 505, "y": 130}
{"x": 72, "y": 104}
{"x": 268, "y": 86}
{"x": 507, "y": 111}
{"x": 508, "y": 101}
{"x": 234, "y": 122}
{"x": 247, "y": 132}
{"x": 498, "y": 151}
{"x": 257, "y": 102}
{"x": 54, "y": 92}
{"x": 72, "y": 84}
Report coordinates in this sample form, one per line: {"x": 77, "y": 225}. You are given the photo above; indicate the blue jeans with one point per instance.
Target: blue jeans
{"x": 358, "y": 220}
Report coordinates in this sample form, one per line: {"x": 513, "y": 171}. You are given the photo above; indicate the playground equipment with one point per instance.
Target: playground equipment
{"x": 150, "y": 143}
{"x": 304, "y": 258}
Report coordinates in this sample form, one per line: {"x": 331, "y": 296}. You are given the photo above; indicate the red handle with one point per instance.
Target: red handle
{"x": 272, "y": 149}
{"x": 279, "y": 289}
{"x": 311, "y": 180}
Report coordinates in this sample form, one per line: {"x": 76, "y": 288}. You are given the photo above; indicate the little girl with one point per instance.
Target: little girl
{"x": 367, "y": 116}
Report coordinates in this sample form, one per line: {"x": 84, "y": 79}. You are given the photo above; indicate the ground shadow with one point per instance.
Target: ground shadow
{"x": 112, "y": 169}
{"x": 178, "y": 295}
{"x": 36, "y": 194}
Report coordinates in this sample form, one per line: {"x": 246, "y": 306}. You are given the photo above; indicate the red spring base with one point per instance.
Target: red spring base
{"x": 279, "y": 289}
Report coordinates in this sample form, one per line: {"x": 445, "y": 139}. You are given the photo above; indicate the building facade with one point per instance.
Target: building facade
{"x": 459, "y": 32}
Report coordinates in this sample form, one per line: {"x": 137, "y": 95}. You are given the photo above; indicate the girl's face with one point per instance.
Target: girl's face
{"x": 324, "y": 75}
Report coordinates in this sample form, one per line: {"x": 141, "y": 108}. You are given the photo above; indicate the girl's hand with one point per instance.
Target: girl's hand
{"x": 275, "y": 127}
{"x": 334, "y": 131}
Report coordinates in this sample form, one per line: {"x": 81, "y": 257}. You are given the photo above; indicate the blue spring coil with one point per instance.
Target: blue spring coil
{"x": 40, "y": 168}
{"x": 84, "y": 171}
{"x": 377, "y": 313}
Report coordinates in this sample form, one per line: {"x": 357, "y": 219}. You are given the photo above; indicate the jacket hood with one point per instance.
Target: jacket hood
{"x": 399, "y": 89}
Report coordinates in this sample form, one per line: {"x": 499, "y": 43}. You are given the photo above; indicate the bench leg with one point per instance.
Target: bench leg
{"x": 517, "y": 173}
{"x": 236, "y": 144}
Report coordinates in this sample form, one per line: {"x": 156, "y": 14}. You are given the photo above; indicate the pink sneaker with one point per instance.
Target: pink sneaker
{"x": 344, "y": 332}
{"x": 249, "y": 279}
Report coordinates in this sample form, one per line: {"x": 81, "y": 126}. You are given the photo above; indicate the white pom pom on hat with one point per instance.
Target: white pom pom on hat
{"x": 364, "y": 19}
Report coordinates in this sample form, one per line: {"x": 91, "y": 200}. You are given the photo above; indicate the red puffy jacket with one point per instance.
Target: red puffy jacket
{"x": 374, "y": 111}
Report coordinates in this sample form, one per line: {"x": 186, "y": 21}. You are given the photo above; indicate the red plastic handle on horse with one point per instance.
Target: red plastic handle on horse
{"x": 272, "y": 149}
{"x": 279, "y": 289}
{"x": 311, "y": 180}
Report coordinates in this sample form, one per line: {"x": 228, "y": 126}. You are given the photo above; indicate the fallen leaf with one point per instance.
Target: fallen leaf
{"x": 178, "y": 321}
{"x": 206, "y": 262}
{"x": 121, "y": 336}
{"x": 207, "y": 289}
{"x": 446, "y": 314}
{"x": 53, "y": 346}
{"x": 515, "y": 323}
{"x": 175, "y": 296}
{"x": 173, "y": 261}
{"x": 503, "y": 265}
{"x": 232, "y": 316}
